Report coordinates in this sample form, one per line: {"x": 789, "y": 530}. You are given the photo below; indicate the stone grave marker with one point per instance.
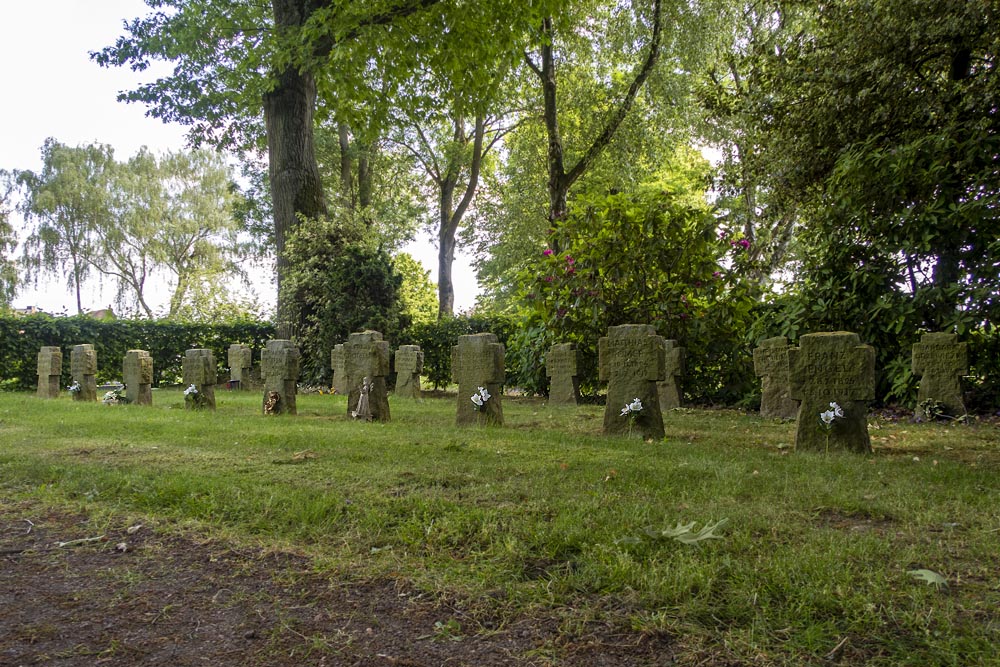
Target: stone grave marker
{"x": 49, "y": 372}
{"x": 83, "y": 368}
{"x": 940, "y": 361}
{"x": 409, "y": 364}
{"x": 478, "y": 362}
{"x": 561, "y": 366}
{"x": 366, "y": 363}
{"x": 339, "y": 374}
{"x": 137, "y": 373}
{"x": 770, "y": 363}
{"x": 832, "y": 367}
{"x": 668, "y": 388}
{"x": 632, "y": 362}
{"x": 280, "y": 363}
{"x": 200, "y": 371}
{"x": 240, "y": 363}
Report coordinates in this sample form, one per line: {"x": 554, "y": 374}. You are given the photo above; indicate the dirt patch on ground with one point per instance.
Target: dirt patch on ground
{"x": 153, "y": 597}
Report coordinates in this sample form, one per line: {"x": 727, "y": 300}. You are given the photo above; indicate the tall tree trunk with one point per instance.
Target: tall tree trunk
{"x": 346, "y": 164}
{"x": 561, "y": 180}
{"x": 451, "y": 219}
{"x": 446, "y": 250}
{"x": 296, "y": 188}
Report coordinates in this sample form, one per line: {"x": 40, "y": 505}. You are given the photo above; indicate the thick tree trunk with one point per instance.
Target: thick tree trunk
{"x": 296, "y": 187}
{"x": 451, "y": 219}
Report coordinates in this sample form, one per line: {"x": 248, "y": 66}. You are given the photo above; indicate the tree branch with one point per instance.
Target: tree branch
{"x": 604, "y": 138}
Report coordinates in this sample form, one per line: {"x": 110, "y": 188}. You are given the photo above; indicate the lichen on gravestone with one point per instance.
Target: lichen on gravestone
{"x": 832, "y": 367}
{"x": 562, "y": 368}
{"x": 477, "y": 366}
{"x": 632, "y": 361}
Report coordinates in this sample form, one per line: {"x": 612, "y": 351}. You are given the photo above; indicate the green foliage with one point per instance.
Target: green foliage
{"x": 436, "y": 339}
{"x": 419, "y": 294}
{"x": 8, "y": 241}
{"x": 649, "y": 257}
{"x": 338, "y": 283}
{"x": 872, "y": 126}
{"x": 166, "y": 341}
{"x": 129, "y": 221}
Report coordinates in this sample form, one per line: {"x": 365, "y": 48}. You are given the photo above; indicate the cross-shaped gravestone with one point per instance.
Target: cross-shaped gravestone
{"x": 49, "y": 372}
{"x": 770, "y": 363}
{"x": 200, "y": 371}
{"x": 366, "y": 361}
{"x": 478, "y": 362}
{"x": 668, "y": 389}
{"x": 137, "y": 372}
{"x": 240, "y": 363}
{"x": 827, "y": 368}
{"x": 83, "y": 368}
{"x": 561, "y": 366}
{"x": 409, "y": 364}
{"x": 940, "y": 361}
{"x": 632, "y": 361}
{"x": 280, "y": 363}
{"x": 339, "y": 374}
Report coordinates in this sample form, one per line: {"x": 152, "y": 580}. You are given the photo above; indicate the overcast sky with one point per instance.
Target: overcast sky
{"x": 53, "y": 89}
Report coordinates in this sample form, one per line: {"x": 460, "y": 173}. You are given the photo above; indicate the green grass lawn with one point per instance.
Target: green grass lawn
{"x": 548, "y": 513}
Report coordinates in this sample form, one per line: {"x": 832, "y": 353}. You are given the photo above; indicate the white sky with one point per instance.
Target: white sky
{"x": 53, "y": 89}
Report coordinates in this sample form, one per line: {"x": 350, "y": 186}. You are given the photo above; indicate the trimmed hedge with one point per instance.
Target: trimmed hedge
{"x": 166, "y": 341}
{"x": 437, "y": 338}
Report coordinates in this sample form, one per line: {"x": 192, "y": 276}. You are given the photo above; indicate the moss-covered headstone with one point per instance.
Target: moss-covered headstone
{"x": 366, "y": 365}
{"x": 770, "y": 363}
{"x": 477, "y": 366}
{"x": 49, "y": 372}
{"x": 137, "y": 373}
{"x": 562, "y": 367}
{"x": 632, "y": 361}
{"x": 409, "y": 364}
{"x": 830, "y": 368}
{"x": 940, "y": 361}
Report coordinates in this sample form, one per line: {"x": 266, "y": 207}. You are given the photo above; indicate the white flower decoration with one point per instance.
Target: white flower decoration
{"x": 190, "y": 390}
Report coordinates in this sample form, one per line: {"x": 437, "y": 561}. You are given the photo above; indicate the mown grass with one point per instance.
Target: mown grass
{"x": 538, "y": 515}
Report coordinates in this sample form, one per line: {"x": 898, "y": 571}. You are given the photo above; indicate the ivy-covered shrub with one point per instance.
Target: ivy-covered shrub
{"x": 22, "y": 336}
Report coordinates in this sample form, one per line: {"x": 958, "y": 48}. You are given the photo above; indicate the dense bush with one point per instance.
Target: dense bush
{"x": 166, "y": 341}
{"x": 338, "y": 283}
{"x": 652, "y": 256}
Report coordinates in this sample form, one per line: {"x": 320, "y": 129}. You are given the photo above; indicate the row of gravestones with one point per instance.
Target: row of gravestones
{"x": 825, "y": 382}
{"x": 827, "y": 369}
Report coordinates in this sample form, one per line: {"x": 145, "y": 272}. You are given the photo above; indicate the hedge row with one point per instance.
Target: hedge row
{"x": 21, "y": 338}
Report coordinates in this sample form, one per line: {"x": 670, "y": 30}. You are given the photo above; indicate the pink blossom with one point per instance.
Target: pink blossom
{"x": 549, "y": 279}
{"x": 548, "y": 252}
{"x": 717, "y": 274}
{"x": 570, "y": 260}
